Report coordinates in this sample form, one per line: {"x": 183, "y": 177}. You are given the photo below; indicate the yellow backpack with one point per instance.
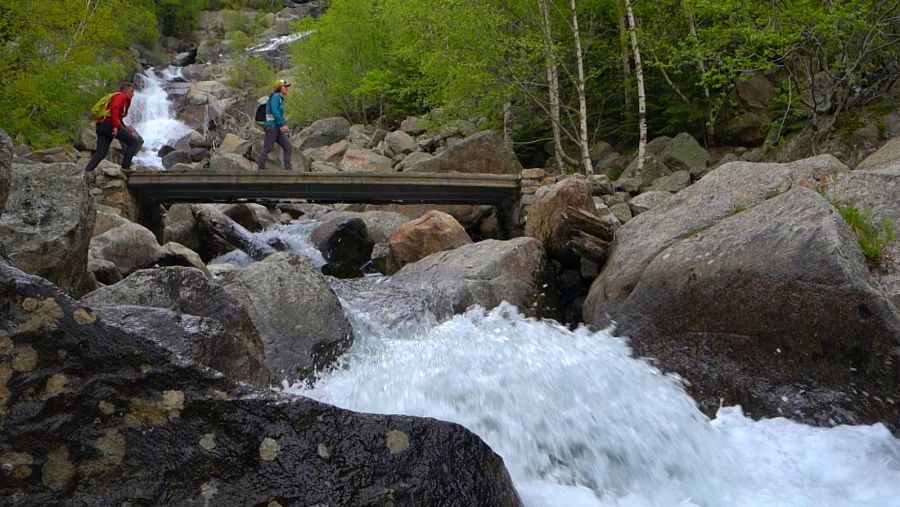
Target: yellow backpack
{"x": 101, "y": 108}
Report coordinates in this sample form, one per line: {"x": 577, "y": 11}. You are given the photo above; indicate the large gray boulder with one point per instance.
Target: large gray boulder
{"x": 723, "y": 192}
{"x": 46, "y": 226}
{"x": 888, "y": 156}
{"x": 482, "y": 152}
{"x": 129, "y": 246}
{"x": 203, "y": 340}
{"x": 684, "y": 153}
{"x": 874, "y": 190}
{"x": 188, "y": 291}
{"x": 300, "y": 320}
{"x": 484, "y": 273}
{"x": 322, "y": 132}
{"x": 180, "y": 226}
{"x": 754, "y": 289}
{"x": 6, "y": 154}
{"x": 97, "y": 415}
{"x": 363, "y": 160}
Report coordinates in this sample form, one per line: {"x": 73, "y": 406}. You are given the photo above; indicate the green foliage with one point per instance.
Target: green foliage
{"x": 872, "y": 237}
{"x": 179, "y": 17}
{"x": 251, "y": 73}
{"x": 56, "y": 60}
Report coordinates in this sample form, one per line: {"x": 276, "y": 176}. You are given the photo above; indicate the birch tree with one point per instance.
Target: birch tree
{"x": 584, "y": 141}
{"x": 642, "y": 97}
{"x": 552, "y": 81}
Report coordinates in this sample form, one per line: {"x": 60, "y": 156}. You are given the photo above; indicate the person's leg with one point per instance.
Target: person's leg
{"x": 131, "y": 146}
{"x": 268, "y": 144}
{"x": 285, "y": 143}
{"x": 104, "y": 138}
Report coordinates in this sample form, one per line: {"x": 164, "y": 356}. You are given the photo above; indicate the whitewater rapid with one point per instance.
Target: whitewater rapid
{"x": 152, "y": 115}
{"x": 580, "y": 422}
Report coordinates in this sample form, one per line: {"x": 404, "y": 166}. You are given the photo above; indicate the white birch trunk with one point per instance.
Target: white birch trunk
{"x": 583, "y": 139}
{"x": 692, "y": 26}
{"x": 642, "y": 97}
{"x": 626, "y": 64}
{"x": 552, "y": 81}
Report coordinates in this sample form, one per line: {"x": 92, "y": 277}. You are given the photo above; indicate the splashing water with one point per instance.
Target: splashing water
{"x": 293, "y": 237}
{"x": 579, "y": 422}
{"x": 152, "y": 115}
{"x": 277, "y": 42}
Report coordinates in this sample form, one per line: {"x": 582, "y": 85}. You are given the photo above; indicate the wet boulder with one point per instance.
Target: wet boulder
{"x": 185, "y": 291}
{"x": 435, "y": 231}
{"x": 46, "y": 225}
{"x": 752, "y": 287}
{"x": 94, "y": 414}
{"x": 308, "y": 337}
{"x": 484, "y": 273}
{"x": 203, "y": 340}
{"x": 344, "y": 242}
{"x": 545, "y": 217}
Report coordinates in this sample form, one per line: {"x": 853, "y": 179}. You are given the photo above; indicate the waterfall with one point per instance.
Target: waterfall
{"x": 152, "y": 114}
{"x": 277, "y": 42}
{"x": 580, "y": 422}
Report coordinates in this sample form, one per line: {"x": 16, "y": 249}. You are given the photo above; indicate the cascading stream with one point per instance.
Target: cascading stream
{"x": 579, "y": 422}
{"x": 152, "y": 115}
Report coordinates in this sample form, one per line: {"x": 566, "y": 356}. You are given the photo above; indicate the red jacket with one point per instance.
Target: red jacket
{"x": 118, "y": 109}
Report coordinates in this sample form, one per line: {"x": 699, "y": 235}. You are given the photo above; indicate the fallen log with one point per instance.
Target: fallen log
{"x": 589, "y": 247}
{"x": 589, "y": 223}
{"x": 223, "y": 227}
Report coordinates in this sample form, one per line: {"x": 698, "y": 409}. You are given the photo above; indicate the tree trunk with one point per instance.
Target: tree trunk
{"x": 642, "y": 97}
{"x": 226, "y": 229}
{"x": 593, "y": 249}
{"x": 626, "y": 64}
{"x": 584, "y": 141}
{"x": 552, "y": 81}
{"x": 581, "y": 220}
{"x": 692, "y": 26}
{"x": 507, "y": 123}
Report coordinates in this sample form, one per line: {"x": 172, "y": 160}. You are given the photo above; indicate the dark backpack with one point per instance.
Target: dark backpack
{"x": 262, "y": 105}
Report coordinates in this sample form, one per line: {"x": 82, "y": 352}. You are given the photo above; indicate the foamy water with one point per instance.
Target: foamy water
{"x": 153, "y": 116}
{"x": 579, "y": 422}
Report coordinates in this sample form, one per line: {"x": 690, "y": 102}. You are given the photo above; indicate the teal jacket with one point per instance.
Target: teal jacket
{"x": 275, "y": 111}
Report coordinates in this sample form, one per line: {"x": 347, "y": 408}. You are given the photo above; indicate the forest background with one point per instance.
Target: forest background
{"x": 554, "y": 76}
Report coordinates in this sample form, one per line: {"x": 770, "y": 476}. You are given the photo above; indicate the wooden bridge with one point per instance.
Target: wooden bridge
{"x": 158, "y": 187}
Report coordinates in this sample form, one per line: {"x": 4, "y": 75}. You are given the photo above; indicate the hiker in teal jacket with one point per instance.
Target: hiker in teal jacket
{"x": 276, "y": 129}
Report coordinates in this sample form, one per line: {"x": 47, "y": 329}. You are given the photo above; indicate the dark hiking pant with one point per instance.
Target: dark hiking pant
{"x": 273, "y": 135}
{"x": 130, "y": 142}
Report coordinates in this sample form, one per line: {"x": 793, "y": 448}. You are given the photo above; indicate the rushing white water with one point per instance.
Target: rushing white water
{"x": 277, "y": 42}
{"x": 152, "y": 115}
{"x": 579, "y": 422}
{"x": 293, "y": 237}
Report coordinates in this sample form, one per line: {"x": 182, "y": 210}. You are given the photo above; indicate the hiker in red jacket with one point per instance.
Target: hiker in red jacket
{"x": 112, "y": 127}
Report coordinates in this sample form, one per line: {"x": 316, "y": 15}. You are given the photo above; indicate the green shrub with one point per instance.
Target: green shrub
{"x": 872, "y": 237}
{"x": 251, "y": 73}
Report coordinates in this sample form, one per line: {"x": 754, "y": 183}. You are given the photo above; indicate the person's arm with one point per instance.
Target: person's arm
{"x": 278, "y": 110}
{"x": 116, "y": 106}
